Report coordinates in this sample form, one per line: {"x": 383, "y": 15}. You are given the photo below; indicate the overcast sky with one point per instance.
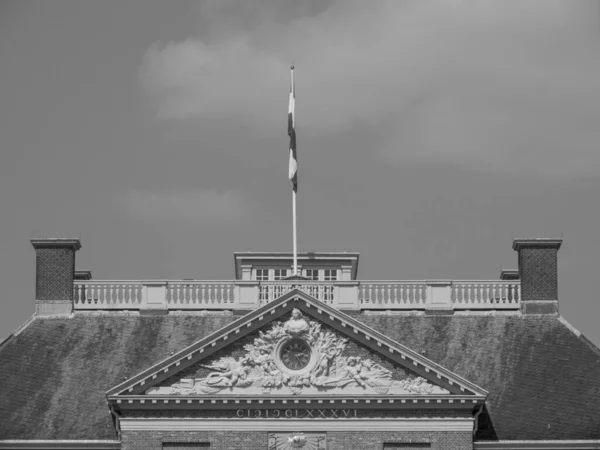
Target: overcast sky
{"x": 430, "y": 134}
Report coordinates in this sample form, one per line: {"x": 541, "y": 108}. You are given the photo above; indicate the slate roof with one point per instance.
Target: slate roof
{"x": 543, "y": 379}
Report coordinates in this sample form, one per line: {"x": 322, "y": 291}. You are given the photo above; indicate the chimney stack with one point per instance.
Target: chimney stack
{"x": 54, "y": 275}
{"x": 538, "y": 271}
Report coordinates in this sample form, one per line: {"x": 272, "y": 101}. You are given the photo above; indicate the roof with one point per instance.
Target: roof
{"x": 543, "y": 379}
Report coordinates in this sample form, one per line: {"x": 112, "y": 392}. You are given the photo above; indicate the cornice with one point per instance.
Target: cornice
{"x": 59, "y": 444}
{"x": 355, "y": 402}
{"x": 538, "y": 445}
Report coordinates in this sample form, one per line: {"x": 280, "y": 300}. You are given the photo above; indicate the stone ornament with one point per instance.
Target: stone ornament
{"x": 294, "y": 441}
{"x": 298, "y": 357}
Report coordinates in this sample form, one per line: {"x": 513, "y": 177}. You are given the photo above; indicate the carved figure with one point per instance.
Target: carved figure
{"x": 230, "y": 371}
{"x": 258, "y": 369}
{"x": 297, "y": 324}
{"x": 325, "y": 362}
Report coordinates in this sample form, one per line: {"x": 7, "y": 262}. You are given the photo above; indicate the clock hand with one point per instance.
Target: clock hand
{"x": 297, "y": 360}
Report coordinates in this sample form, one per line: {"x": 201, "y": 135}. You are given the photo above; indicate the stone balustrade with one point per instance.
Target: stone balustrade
{"x": 246, "y": 295}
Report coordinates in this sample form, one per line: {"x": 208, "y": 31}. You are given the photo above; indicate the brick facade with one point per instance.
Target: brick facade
{"x": 538, "y": 271}
{"x": 55, "y": 268}
{"x": 218, "y": 440}
{"x": 257, "y": 440}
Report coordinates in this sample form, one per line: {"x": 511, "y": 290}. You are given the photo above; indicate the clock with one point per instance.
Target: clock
{"x": 295, "y": 354}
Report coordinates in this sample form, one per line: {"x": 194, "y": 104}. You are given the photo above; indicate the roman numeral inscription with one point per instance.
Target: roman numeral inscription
{"x": 295, "y": 413}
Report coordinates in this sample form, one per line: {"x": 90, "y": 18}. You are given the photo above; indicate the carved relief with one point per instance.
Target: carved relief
{"x": 298, "y": 356}
{"x": 293, "y": 441}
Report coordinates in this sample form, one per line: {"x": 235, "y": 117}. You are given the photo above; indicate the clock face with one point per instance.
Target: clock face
{"x": 295, "y": 355}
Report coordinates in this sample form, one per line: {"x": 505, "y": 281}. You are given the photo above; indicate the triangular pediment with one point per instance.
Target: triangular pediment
{"x": 297, "y": 346}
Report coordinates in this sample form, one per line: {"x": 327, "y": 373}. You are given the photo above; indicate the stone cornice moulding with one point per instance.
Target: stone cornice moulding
{"x": 56, "y": 243}
{"x": 416, "y": 424}
{"x": 538, "y": 445}
{"x": 137, "y": 402}
{"x": 59, "y": 444}
{"x": 314, "y": 308}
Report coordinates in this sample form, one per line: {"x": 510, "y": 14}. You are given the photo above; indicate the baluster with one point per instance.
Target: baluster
{"x": 194, "y": 293}
{"x": 394, "y": 293}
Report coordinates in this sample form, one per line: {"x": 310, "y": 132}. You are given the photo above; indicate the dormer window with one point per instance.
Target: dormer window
{"x": 330, "y": 274}
{"x": 262, "y": 274}
{"x": 312, "y": 274}
{"x": 279, "y": 274}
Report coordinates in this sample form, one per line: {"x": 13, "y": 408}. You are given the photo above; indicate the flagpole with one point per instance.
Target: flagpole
{"x": 294, "y": 193}
{"x": 295, "y": 236}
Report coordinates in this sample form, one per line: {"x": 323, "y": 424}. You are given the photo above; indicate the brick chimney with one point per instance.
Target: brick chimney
{"x": 54, "y": 275}
{"x": 538, "y": 271}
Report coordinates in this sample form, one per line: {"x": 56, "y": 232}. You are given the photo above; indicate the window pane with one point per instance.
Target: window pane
{"x": 330, "y": 274}
{"x": 280, "y": 273}
{"x": 312, "y": 274}
{"x": 262, "y": 274}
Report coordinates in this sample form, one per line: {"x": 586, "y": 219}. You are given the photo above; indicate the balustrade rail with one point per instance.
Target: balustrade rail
{"x": 200, "y": 294}
{"x": 392, "y": 294}
{"x": 324, "y": 291}
{"x": 227, "y": 295}
{"x": 486, "y": 294}
{"x": 107, "y": 294}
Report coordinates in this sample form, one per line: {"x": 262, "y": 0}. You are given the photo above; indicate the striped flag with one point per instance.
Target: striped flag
{"x": 293, "y": 168}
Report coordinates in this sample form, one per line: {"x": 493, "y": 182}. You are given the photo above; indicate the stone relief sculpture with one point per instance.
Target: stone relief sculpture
{"x": 298, "y": 440}
{"x": 298, "y": 356}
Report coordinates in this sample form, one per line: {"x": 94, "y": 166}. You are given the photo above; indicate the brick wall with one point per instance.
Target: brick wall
{"x": 538, "y": 273}
{"x": 219, "y": 440}
{"x": 55, "y": 268}
{"x": 257, "y": 440}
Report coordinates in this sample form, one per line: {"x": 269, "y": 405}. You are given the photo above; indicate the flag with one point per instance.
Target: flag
{"x": 293, "y": 167}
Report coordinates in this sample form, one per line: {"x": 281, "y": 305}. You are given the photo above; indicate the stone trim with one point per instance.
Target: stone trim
{"x": 538, "y": 445}
{"x": 450, "y": 424}
{"x": 364, "y": 402}
{"x": 59, "y": 444}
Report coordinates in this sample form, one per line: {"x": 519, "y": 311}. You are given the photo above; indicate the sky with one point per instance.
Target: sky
{"x": 430, "y": 133}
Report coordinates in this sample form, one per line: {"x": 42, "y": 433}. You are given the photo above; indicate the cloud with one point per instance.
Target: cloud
{"x": 197, "y": 205}
{"x": 515, "y": 85}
